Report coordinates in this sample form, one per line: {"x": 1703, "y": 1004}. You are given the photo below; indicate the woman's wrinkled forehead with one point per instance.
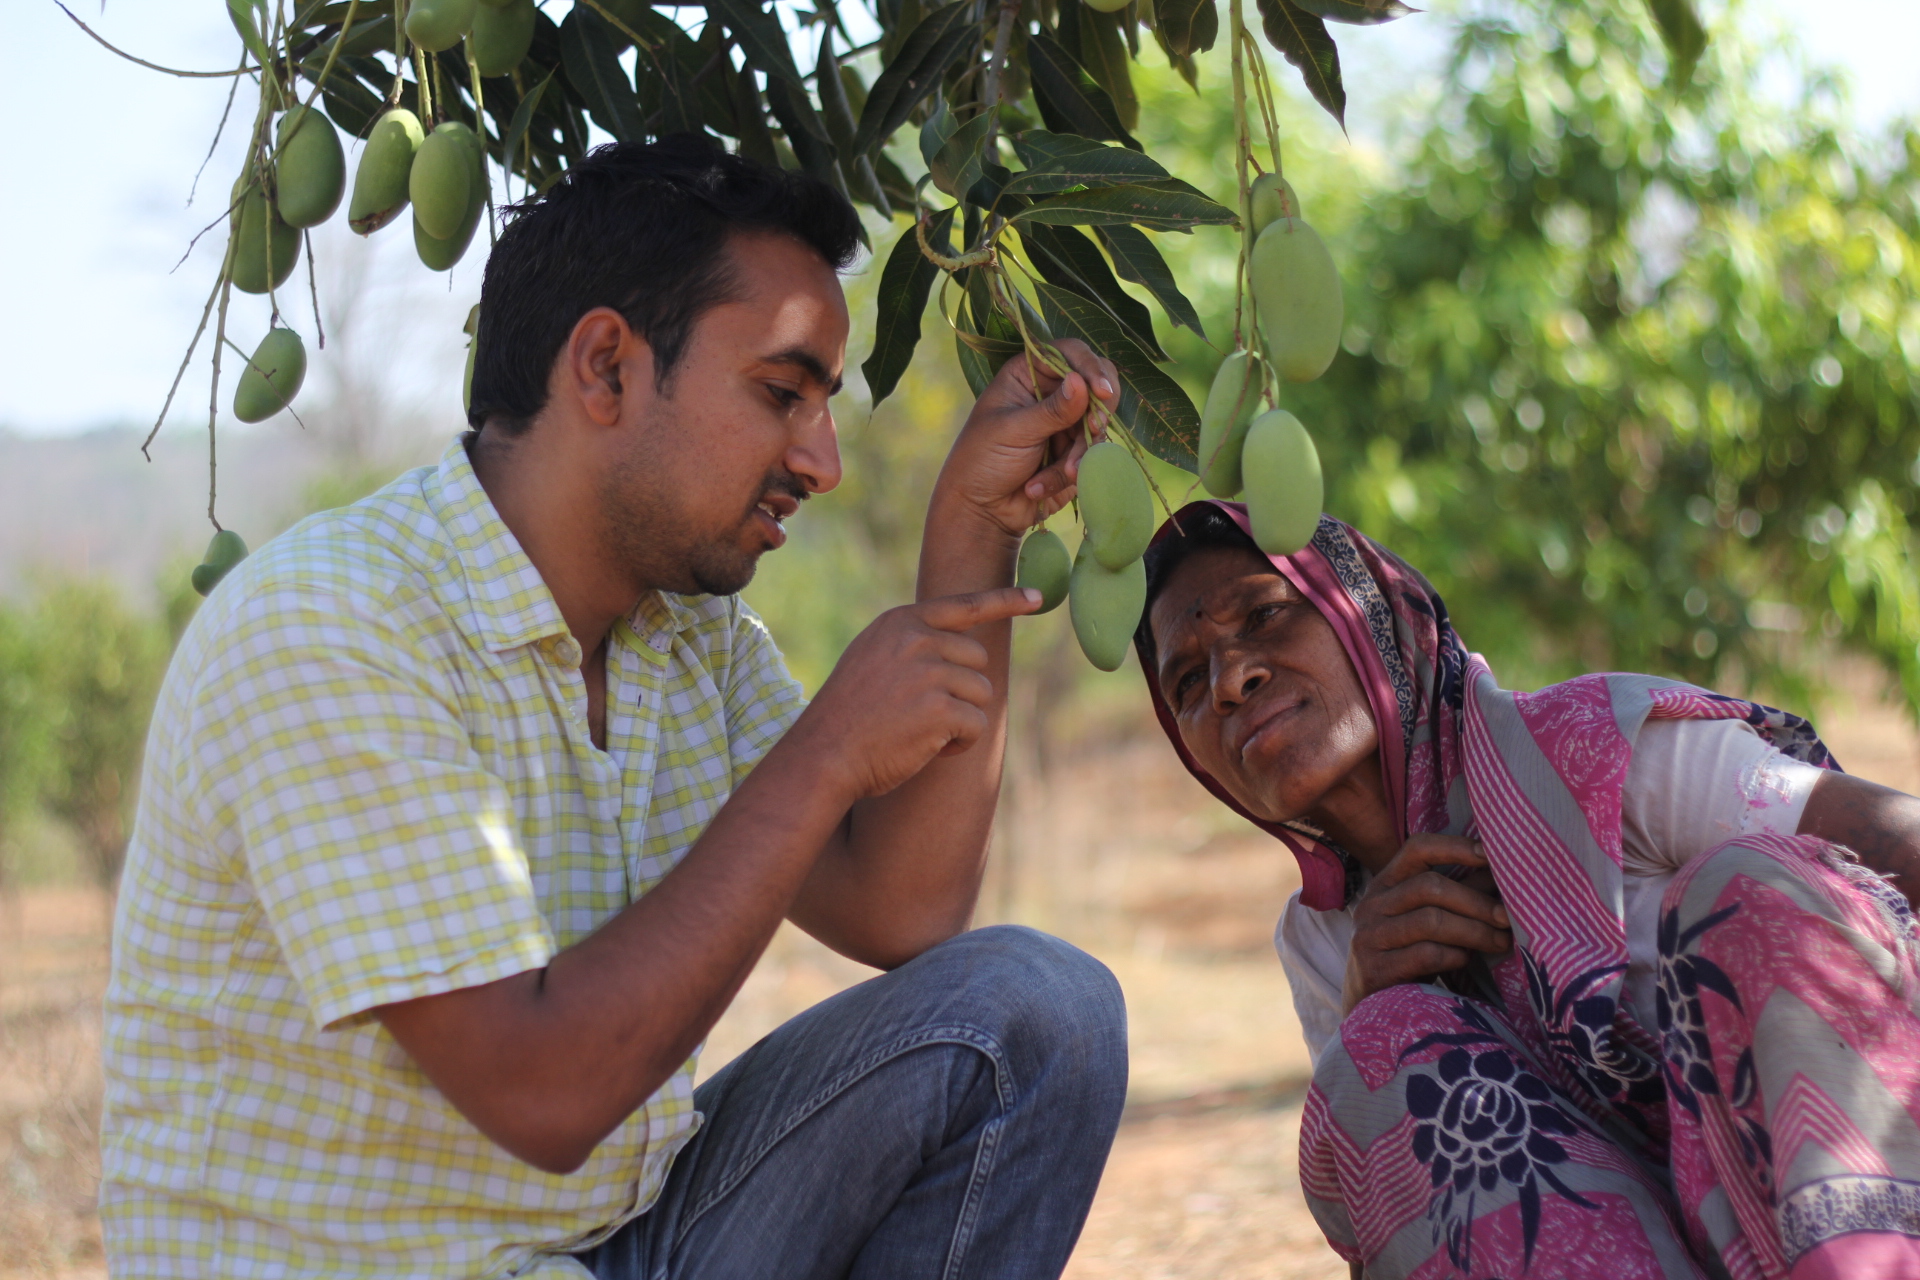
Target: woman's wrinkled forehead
{"x": 1214, "y": 583}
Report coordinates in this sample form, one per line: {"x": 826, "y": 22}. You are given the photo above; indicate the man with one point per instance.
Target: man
{"x": 469, "y": 807}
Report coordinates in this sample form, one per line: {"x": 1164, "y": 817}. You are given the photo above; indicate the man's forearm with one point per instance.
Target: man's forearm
{"x": 908, "y": 872}
{"x": 548, "y": 1063}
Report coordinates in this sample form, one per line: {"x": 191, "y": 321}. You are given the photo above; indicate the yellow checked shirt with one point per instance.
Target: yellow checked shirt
{"x": 369, "y": 779}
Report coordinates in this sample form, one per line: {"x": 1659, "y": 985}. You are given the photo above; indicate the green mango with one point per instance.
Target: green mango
{"x": 440, "y": 255}
{"x": 264, "y": 246}
{"x": 380, "y": 182}
{"x": 1273, "y": 199}
{"x": 1232, "y": 402}
{"x": 440, "y": 183}
{"x": 501, "y": 36}
{"x": 225, "y": 551}
{"x": 1284, "y": 486}
{"x": 1105, "y": 6}
{"x": 1296, "y": 293}
{"x": 439, "y": 24}
{"x": 272, "y": 377}
{"x": 1106, "y": 608}
{"x": 1044, "y": 566}
{"x": 310, "y": 170}
{"x": 1116, "y": 504}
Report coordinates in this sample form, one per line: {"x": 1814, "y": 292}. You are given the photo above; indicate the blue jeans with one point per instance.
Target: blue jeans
{"x": 949, "y": 1119}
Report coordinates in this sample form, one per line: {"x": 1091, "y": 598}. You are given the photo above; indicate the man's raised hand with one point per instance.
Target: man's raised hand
{"x": 910, "y": 687}
{"x": 1016, "y": 459}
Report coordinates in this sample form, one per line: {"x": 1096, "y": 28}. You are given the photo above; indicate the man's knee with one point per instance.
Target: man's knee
{"x": 1035, "y": 993}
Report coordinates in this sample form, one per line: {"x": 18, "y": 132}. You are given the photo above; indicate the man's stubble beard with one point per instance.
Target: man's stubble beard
{"x": 645, "y": 527}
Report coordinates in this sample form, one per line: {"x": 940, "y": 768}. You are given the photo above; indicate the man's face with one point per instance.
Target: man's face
{"x": 707, "y": 468}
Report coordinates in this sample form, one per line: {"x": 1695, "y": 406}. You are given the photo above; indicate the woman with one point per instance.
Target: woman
{"x": 1613, "y": 979}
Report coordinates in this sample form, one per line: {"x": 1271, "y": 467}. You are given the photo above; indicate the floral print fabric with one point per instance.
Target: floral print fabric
{"x": 1538, "y": 1128}
{"x": 1791, "y": 1091}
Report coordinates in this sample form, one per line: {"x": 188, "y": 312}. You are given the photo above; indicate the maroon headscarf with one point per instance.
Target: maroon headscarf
{"x": 1394, "y": 628}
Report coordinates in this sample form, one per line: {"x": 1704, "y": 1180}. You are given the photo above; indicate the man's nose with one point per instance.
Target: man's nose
{"x": 815, "y": 454}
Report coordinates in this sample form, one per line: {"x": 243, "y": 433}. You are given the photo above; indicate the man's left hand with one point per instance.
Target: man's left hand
{"x": 1016, "y": 460}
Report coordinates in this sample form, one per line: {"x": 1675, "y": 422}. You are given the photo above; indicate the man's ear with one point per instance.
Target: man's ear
{"x": 603, "y": 363}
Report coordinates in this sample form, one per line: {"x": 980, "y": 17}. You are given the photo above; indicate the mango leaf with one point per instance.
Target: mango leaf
{"x": 834, "y": 107}
{"x": 1103, "y": 52}
{"x": 1037, "y": 147}
{"x": 1303, "y": 38}
{"x": 1135, "y": 258}
{"x": 1154, "y": 407}
{"x": 1096, "y": 167}
{"x": 1686, "y": 39}
{"x": 1067, "y": 258}
{"x": 905, "y": 282}
{"x": 806, "y": 134}
{"x": 914, "y": 72}
{"x": 1187, "y": 27}
{"x": 593, "y": 69}
{"x": 1145, "y": 206}
{"x": 758, "y": 34}
{"x": 1358, "y": 13}
{"x": 975, "y": 365}
{"x": 1069, "y": 100}
{"x": 756, "y": 140}
{"x": 523, "y": 116}
{"x": 957, "y": 167}
{"x": 939, "y": 126}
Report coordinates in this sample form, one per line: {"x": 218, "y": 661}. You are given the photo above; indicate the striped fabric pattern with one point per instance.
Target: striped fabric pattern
{"x": 370, "y": 779}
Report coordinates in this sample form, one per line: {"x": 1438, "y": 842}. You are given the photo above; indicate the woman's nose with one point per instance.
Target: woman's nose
{"x": 1236, "y": 674}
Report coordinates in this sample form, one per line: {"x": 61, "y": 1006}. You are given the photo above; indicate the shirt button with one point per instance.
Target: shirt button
{"x": 566, "y": 651}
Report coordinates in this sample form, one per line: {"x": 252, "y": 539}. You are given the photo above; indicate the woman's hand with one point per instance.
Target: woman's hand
{"x": 1413, "y": 922}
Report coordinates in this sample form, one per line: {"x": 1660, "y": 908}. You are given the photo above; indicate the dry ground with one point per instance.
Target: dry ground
{"x": 1119, "y": 853}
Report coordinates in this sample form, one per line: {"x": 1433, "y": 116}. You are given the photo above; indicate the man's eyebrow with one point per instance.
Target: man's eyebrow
{"x": 811, "y": 365}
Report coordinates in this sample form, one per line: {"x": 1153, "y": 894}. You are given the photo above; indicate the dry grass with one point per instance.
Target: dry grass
{"x": 1119, "y": 852}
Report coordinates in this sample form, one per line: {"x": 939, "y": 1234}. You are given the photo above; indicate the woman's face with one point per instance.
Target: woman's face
{"x": 1260, "y": 686}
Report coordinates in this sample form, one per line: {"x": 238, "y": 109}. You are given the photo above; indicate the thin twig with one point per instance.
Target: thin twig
{"x": 151, "y": 66}
{"x": 313, "y": 292}
{"x": 181, "y": 372}
{"x": 213, "y": 413}
{"x": 233, "y": 91}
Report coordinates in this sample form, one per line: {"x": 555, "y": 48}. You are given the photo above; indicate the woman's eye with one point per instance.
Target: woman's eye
{"x": 1186, "y": 685}
{"x": 1264, "y": 614}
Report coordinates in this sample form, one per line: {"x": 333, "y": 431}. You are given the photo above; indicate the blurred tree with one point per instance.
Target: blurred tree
{"x": 24, "y": 714}
{"x": 1635, "y": 378}
{"x": 101, "y": 663}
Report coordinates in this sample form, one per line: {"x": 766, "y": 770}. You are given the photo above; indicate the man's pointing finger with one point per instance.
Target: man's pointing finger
{"x": 963, "y": 612}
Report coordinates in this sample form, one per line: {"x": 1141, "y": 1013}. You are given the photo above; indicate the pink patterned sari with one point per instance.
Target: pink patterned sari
{"x": 1519, "y": 1120}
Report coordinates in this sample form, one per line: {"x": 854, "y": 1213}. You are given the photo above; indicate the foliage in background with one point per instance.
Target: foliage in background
{"x": 1637, "y": 380}
{"x": 80, "y": 667}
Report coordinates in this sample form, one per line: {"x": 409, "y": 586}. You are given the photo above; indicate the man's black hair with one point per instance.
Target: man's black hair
{"x": 1202, "y": 527}
{"x": 641, "y": 228}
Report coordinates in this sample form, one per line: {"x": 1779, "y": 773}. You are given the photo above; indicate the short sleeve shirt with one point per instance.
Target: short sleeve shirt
{"x": 370, "y": 779}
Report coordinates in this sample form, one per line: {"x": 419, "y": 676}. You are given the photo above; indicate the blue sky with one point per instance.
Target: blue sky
{"x": 95, "y": 316}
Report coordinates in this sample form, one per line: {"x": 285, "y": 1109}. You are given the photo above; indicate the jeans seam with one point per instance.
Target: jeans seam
{"x": 968, "y": 1037}
{"x": 976, "y": 1193}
